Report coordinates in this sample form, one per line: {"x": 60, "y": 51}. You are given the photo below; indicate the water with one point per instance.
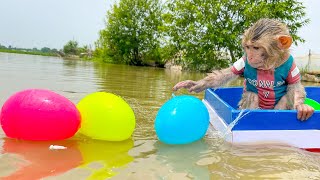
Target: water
{"x": 234, "y": 122}
{"x": 143, "y": 156}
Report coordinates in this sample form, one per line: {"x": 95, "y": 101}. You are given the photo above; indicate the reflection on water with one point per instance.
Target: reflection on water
{"x": 34, "y": 160}
{"x": 100, "y": 157}
{"x": 143, "y": 156}
{"x": 183, "y": 159}
{"x": 265, "y": 162}
{"x": 37, "y": 161}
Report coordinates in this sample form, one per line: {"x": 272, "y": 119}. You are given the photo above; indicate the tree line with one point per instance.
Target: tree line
{"x": 70, "y": 50}
{"x": 43, "y": 51}
{"x": 197, "y": 35}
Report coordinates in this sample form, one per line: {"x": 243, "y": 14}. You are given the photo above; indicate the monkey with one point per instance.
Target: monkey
{"x": 272, "y": 80}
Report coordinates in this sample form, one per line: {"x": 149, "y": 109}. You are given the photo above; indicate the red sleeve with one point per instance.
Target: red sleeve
{"x": 294, "y": 74}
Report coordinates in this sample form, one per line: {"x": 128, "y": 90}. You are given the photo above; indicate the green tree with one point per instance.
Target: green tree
{"x": 3, "y": 47}
{"x": 132, "y": 33}
{"x": 71, "y": 47}
{"x": 45, "y": 50}
{"x": 209, "y": 31}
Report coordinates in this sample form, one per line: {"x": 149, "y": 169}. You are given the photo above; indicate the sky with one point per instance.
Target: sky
{"x": 311, "y": 32}
{"x": 52, "y": 23}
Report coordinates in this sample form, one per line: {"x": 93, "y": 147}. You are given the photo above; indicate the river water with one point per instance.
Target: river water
{"x": 142, "y": 157}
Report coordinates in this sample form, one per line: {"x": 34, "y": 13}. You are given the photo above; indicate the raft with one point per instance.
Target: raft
{"x": 261, "y": 126}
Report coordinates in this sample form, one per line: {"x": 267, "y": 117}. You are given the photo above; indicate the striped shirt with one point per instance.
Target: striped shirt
{"x": 270, "y": 85}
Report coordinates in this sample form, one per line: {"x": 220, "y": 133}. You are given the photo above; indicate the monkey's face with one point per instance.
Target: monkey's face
{"x": 256, "y": 55}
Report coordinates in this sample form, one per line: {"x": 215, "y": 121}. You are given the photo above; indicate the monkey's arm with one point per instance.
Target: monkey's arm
{"x": 298, "y": 94}
{"x": 213, "y": 80}
{"x": 294, "y": 99}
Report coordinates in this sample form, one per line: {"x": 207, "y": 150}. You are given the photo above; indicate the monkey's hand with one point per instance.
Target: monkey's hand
{"x": 192, "y": 86}
{"x": 213, "y": 80}
{"x": 304, "y": 111}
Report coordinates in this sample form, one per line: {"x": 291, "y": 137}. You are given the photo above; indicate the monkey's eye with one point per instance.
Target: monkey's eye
{"x": 247, "y": 47}
{"x": 256, "y": 48}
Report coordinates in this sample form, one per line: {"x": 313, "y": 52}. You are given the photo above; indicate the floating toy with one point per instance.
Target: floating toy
{"x": 181, "y": 120}
{"x": 37, "y": 114}
{"x": 312, "y": 103}
{"x": 105, "y": 116}
{"x": 262, "y": 126}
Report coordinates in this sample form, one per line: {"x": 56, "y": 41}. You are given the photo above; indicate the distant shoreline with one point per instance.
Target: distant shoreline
{"x": 28, "y": 52}
{"x": 70, "y": 57}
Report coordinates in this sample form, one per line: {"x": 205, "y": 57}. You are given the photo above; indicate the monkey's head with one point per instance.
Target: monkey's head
{"x": 267, "y": 44}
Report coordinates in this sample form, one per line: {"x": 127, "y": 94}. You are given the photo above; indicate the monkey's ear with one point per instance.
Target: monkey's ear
{"x": 284, "y": 41}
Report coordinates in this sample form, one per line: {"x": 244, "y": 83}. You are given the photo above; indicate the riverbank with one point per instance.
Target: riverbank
{"x": 309, "y": 66}
{"x": 28, "y": 52}
{"x": 53, "y": 54}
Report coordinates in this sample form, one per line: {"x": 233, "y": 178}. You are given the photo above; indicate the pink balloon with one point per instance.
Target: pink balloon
{"x": 40, "y": 115}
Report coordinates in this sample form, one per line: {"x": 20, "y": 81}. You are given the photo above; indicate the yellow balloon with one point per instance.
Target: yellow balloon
{"x": 105, "y": 116}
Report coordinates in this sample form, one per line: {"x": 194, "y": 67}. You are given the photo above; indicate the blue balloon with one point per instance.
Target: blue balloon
{"x": 182, "y": 120}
